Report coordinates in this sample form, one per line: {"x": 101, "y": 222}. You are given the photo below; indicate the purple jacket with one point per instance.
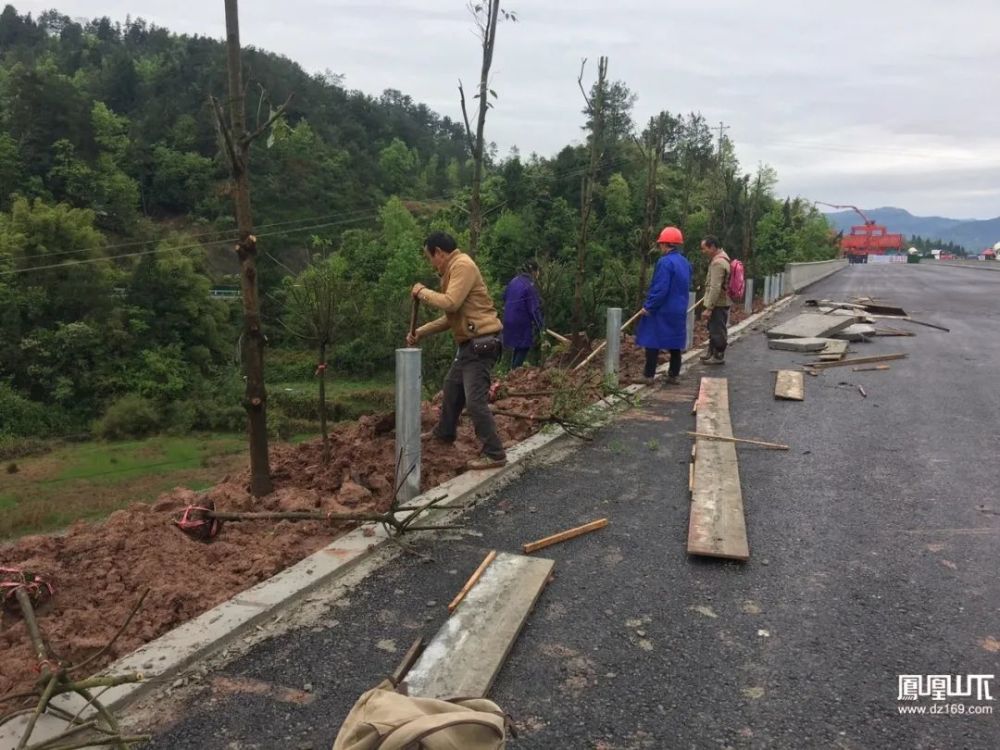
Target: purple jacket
{"x": 522, "y": 311}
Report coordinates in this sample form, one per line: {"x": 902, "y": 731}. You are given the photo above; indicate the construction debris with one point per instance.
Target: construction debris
{"x": 873, "y": 368}
{"x": 861, "y": 390}
{"x": 856, "y": 332}
{"x": 562, "y": 536}
{"x": 789, "y": 386}
{"x": 835, "y": 350}
{"x": 857, "y": 361}
{"x": 810, "y": 326}
{"x": 799, "y": 345}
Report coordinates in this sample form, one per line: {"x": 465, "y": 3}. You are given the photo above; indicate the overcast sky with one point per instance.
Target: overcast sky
{"x": 875, "y": 102}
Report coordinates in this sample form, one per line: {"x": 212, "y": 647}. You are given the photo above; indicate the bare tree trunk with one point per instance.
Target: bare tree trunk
{"x": 648, "y": 230}
{"x": 488, "y": 29}
{"x": 596, "y": 110}
{"x": 322, "y": 403}
{"x": 255, "y": 400}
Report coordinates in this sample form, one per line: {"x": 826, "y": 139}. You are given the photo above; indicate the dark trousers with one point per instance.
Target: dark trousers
{"x": 467, "y": 386}
{"x": 718, "y": 330}
{"x": 653, "y": 358}
{"x": 518, "y": 357}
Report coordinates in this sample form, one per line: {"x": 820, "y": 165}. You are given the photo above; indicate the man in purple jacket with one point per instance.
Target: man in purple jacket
{"x": 664, "y": 322}
{"x": 522, "y": 313}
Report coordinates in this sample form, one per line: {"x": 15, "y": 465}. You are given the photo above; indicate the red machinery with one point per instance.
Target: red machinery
{"x": 867, "y": 239}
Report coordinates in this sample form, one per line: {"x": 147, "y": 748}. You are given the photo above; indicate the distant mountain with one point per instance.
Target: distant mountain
{"x": 971, "y": 234}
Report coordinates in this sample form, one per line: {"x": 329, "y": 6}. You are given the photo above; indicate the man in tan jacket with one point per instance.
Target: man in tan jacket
{"x": 471, "y": 317}
{"x": 716, "y": 301}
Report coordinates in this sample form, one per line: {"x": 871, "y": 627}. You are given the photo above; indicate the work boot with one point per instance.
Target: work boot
{"x": 716, "y": 359}
{"x": 648, "y": 381}
{"x": 672, "y": 380}
{"x": 485, "y": 462}
{"x": 706, "y": 357}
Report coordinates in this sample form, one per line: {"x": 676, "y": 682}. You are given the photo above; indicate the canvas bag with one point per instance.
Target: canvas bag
{"x": 383, "y": 719}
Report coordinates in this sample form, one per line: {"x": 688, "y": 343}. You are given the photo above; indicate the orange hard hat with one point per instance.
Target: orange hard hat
{"x": 671, "y": 236}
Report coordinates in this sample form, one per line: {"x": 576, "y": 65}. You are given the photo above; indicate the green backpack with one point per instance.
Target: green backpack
{"x": 384, "y": 719}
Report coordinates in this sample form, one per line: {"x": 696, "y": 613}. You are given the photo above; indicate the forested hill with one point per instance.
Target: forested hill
{"x": 115, "y": 222}
{"x": 117, "y": 117}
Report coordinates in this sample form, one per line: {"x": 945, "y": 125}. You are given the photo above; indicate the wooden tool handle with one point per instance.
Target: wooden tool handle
{"x": 414, "y": 309}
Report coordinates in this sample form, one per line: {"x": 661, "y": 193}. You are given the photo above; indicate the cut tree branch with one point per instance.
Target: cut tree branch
{"x": 251, "y": 137}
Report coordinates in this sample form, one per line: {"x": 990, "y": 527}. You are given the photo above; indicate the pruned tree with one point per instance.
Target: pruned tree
{"x": 236, "y": 142}
{"x": 659, "y": 135}
{"x": 485, "y": 16}
{"x": 320, "y": 303}
{"x": 595, "y": 109}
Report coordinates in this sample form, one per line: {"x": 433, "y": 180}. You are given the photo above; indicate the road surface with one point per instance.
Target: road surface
{"x": 874, "y": 546}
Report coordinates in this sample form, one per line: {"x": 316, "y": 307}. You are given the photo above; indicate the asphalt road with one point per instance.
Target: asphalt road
{"x": 874, "y": 546}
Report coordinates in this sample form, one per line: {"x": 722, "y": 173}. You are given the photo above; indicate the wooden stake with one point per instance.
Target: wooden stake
{"x": 761, "y": 443}
{"x": 691, "y": 477}
{"x": 558, "y": 336}
{"x": 472, "y": 581}
{"x": 414, "y": 309}
{"x": 862, "y": 392}
{"x": 562, "y": 536}
{"x": 874, "y": 368}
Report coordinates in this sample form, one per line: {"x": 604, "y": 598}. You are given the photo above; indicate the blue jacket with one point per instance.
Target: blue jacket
{"x": 666, "y": 325}
{"x": 522, "y": 310}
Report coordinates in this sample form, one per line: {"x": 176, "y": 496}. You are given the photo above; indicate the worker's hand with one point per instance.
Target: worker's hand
{"x": 417, "y": 288}
{"x": 644, "y": 312}
{"x": 412, "y": 339}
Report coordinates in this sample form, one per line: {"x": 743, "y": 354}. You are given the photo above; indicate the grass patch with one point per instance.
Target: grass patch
{"x": 91, "y": 480}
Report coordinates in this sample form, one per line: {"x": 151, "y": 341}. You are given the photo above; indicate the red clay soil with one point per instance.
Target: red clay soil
{"x": 98, "y": 570}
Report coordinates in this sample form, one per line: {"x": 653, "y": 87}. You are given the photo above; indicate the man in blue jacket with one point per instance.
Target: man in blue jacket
{"x": 664, "y": 322}
{"x": 522, "y": 313}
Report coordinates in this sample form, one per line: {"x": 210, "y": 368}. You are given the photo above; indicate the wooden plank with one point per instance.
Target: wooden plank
{"x": 562, "y": 536}
{"x": 465, "y": 655}
{"x": 472, "y": 581}
{"x": 873, "y": 368}
{"x": 789, "y": 385}
{"x": 717, "y": 527}
{"x": 857, "y": 361}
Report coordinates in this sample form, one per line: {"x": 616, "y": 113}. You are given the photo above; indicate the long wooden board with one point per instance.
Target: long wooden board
{"x": 468, "y": 651}
{"x": 790, "y": 385}
{"x": 857, "y": 361}
{"x": 717, "y": 527}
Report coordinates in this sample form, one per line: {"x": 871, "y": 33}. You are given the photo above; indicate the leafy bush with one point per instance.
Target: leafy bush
{"x": 23, "y": 417}
{"x": 131, "y": 416}
{"x": 279, "y": 427}
{"x": 12, "y": 446}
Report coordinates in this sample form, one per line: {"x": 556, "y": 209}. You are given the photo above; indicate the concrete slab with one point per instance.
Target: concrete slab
{"x": 856, "y": 332}
{"x": 799, "y": 345}
{"x": 810, "y": 325}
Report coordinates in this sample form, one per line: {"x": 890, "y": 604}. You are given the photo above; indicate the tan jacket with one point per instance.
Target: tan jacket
{"x": 716, "y": 294}
{"x": 468, "y": 308}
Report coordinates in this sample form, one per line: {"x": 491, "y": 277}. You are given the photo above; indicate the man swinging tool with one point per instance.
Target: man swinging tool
{"x": 472, "y": 318}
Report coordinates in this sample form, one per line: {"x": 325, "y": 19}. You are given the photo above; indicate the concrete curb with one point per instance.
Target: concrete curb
{"x": 162, "y": 659}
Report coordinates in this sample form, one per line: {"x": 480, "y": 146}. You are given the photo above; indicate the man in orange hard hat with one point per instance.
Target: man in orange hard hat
{"x": 664, "y": 323}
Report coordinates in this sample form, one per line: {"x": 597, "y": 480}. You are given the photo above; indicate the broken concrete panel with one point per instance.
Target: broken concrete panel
{"x": 800, "y": 345}
{"x": 856, "y": 332}
{"x": 808, "y": 325}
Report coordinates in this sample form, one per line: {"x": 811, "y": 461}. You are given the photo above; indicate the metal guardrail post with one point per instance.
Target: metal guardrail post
{"x": 613, "y": 349}
{"x": 408, "y": 397}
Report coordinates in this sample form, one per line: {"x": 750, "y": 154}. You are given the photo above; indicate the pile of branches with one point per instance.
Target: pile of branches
{"x": 92, "y": 725}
